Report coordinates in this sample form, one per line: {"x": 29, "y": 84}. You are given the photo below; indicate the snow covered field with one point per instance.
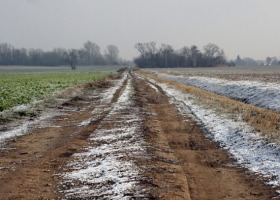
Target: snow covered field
{"x": 249, "y": 148}
{"x": 266, "y": 95}
{"x": 260, "y": 73}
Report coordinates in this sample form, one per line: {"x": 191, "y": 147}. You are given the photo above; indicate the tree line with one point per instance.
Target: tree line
{"x": 167, "y": 57}
{"x": 89, "y": 54}
{"x": 269, "y": 61}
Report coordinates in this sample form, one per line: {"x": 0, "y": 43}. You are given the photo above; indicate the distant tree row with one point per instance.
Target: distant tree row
{"x": 89, "y": 54}
{"x": 165, "y": 56}
{"x": 269, "y": 61}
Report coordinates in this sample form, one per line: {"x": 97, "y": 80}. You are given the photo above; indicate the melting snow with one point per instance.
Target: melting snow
{"x": 249, "y": 148}
{"x": 106, "y": 169}
{"x": 23, "y": 127}
{"x": 106, "y": 98}
{"x": 261, "y": 94}
{"x": 26, "y": 125}
{"x": 152, "y": 86}
{"x": 108, "y": 95}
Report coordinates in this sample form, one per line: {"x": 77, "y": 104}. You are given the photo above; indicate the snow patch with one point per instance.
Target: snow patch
{"x": 106, "y": 169}
{"x": 23, "y": 128}
{"x": 106, "y": 98}
{"x": 108, "y": 95}
{"x": 152, "y": 86}
{"x": 266, "y": 95}
{"x": 248, "y": 147}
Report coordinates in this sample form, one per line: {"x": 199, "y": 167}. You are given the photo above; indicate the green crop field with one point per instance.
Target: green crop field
{"x": 58, "y": 69}
{"x": 17, "y": 89}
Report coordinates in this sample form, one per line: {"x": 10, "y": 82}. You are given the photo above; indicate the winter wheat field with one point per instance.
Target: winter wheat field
{"x": 203, "y": 133}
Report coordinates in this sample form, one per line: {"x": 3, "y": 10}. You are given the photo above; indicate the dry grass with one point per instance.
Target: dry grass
{"x": 263, "y": 120}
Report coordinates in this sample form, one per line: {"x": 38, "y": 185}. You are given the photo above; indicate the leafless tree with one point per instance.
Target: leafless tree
{"x": 6, "y": 55}
{"x": 268, "y": 60}
{"x": 71, "y": 58}
{"x": 92, "y": 52}
{"x": 112, "y": 54}
{"x": 166, "y": 51}
{"x": 213, "y": 54}
{"x": 185, "y": 53}
{"x": 195, "y": 53}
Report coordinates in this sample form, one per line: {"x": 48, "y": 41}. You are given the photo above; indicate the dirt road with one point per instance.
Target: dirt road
{"x": 125, "y": 141}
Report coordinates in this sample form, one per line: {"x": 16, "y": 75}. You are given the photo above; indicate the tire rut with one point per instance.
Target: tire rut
{"x": 135, "y": 146}
{"x": 29, "y": 166}
{"x": 185, "y": 161}
{"x": 107, "y": 168}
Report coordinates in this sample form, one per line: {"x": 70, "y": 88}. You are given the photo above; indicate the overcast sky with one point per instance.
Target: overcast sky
{"x": 250, "y": 28}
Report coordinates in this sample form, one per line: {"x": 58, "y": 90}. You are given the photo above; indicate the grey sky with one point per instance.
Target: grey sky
{"x": 246, "y": 27}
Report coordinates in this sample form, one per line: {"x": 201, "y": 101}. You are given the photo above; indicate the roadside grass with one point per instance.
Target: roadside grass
{"x": 261, "y": 119}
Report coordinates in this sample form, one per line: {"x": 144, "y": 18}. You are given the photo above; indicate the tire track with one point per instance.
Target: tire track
{"x": 208, "y": 170}
{"x": 127, "y": 143}
{"x": 27, "y": 168}
{"x": 107, "y": 169}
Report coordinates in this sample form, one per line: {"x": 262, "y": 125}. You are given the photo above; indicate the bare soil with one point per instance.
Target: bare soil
{"x": 184, "y": 163}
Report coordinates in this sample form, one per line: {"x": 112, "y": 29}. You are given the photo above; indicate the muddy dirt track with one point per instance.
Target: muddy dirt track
{"x": 152, "y": 152}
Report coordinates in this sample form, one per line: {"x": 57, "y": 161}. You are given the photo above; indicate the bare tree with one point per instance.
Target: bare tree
{"x": 213, "y": 54}
{"x": 166, "y": 52}
{"x": 151, "y": 49}
{"x": 6, "y": 51}
{"x": 89, "y": 54}
{"x": 141, "y": 48}
{"x": 112, "y": 54}
{"x": 92, "y": 52}
{"x": 166, "y": 56}
{"x": 268, "y": 60}
{"x": 71, "y": 58}
{"x": 20, "y": 57}
{"x": 185, "y": 53}
{"x": 35, "y": 56}
{"x": 147, "y": 50}
{"x": 195, "y": 53}
{"x": 59, "y": 53}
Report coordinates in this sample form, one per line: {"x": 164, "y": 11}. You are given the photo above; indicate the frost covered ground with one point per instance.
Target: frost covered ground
{"x": 22, "y": 127}
{"x": 257, "y": 73}
{"x": 248, "y": 147}
{"x": 106, "y": 169}
{"x": 266, "y": 95}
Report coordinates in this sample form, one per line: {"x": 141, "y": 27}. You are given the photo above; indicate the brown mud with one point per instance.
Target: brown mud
{"x": 184, "y": 163}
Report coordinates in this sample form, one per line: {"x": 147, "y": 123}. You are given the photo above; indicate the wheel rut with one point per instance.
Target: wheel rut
{"x": 107, "y": 168}
{"x": 30, "y": 163}
{"x": 128, "y": 142}
{"x": 187, "y": 164}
